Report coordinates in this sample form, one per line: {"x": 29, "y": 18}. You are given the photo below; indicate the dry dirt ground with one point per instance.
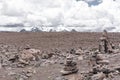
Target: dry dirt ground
{"x": 47, "y": 69}
{"x": 47, "y": 40}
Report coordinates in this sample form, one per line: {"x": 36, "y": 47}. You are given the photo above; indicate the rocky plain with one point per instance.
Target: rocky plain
{"x": 42, "y": 55}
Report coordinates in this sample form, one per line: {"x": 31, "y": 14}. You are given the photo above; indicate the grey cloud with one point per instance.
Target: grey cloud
{"x": 13, "y": 25}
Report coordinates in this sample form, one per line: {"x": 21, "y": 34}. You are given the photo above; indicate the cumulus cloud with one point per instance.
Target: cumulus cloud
{"x": 82, "y": 15}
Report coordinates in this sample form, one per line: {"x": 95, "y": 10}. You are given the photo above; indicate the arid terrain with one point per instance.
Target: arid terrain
{"x": 52, "y": 49}
{"x": 47, "y": 40}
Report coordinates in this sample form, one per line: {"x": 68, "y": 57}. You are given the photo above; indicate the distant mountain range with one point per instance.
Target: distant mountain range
{"x": 51, "y": 30}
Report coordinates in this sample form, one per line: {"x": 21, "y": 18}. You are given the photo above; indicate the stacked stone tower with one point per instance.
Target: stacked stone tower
{"x": 69, "y": 67}
{"x": 105, "y": 46}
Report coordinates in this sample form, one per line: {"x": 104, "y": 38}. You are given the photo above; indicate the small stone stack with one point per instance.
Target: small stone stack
{"x": 69, "y": 67}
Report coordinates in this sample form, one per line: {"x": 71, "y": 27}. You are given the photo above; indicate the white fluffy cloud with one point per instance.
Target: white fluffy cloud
{"x": 61, "y": 14}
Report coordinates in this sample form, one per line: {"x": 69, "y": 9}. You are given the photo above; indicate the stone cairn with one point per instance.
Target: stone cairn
{"x": 105, "y": 45}
{"x": 69, "y": 67}
{"x": 100, "y": 68}
{"x": 98, "y": 58}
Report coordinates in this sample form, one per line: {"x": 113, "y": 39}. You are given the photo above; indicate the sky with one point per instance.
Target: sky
{"x": 81, "y": 15}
